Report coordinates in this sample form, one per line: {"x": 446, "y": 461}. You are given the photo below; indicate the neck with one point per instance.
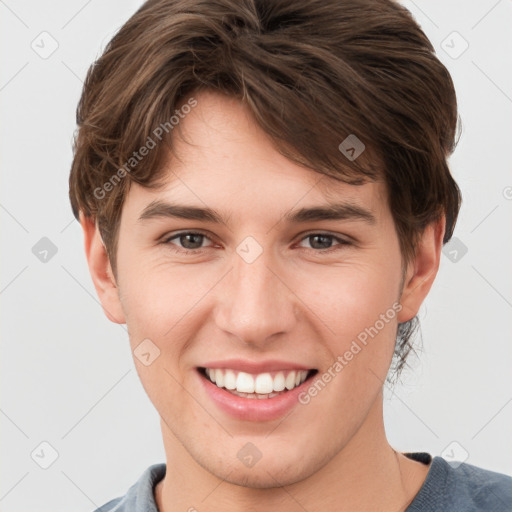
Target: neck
{"x": 367, "y": 474}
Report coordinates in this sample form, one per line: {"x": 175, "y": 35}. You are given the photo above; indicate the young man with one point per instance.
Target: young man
{"x": 264, "y": 193}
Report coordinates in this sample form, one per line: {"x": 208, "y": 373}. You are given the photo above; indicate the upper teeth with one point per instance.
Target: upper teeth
{"x": 262, "y": 383}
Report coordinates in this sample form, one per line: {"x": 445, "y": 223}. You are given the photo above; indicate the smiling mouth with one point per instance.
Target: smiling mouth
{"x": 258, "y": 386}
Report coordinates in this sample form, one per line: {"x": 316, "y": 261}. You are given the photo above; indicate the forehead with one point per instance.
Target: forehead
{"x": 222, "y": 158}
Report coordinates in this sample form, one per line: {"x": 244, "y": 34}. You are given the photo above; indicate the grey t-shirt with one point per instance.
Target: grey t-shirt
{"x": 447, "y": 488}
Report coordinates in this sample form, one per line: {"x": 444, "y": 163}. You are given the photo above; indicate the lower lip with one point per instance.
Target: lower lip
{"x": 253, "y": 409}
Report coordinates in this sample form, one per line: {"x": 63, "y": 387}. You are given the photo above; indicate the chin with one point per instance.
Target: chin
{"x": 264, "y": 477}
{"x": 281, "y": 468}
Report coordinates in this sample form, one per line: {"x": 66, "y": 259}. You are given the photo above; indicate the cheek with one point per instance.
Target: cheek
{"x": 358, "y": 308}
{"x": 350, "y": 298}
{"x": 156, "y": 295}
{"x": 157, "y": 300}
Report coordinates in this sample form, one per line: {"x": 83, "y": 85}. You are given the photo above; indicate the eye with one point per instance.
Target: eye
{"x": 191, "y": 241}
{"x": 322, "y": 242}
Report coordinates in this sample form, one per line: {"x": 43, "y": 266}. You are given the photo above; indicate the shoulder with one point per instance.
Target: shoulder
{"x": 463, "y": 487}
{"x": 139, "y": 497}
{"x": 486, "y": 489}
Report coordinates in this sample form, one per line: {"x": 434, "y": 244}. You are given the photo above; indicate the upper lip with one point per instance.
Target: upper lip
{"x": 255, "y": 367}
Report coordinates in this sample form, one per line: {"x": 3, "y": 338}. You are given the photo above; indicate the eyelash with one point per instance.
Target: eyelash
{"x": 342, "y": 242}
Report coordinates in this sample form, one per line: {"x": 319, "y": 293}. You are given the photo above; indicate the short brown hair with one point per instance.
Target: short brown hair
{"x": 312, "y": 73}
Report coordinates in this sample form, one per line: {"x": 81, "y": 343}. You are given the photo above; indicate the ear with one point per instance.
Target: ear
{"x": 422, "y": 270}
{"x": 101, "y": 271}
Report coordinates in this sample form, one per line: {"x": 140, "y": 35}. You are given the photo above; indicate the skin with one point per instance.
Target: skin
{"x": 293, "y": 303}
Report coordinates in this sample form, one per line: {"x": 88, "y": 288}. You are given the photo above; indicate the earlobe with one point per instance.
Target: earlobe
{"x": 101, "y": 271}
{"x": 422, "y": 270}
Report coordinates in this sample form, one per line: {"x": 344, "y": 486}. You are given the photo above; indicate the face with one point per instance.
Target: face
{"x": 302, "y": 309}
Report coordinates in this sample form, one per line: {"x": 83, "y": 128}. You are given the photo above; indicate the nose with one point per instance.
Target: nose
{"x": 256, "y": 302}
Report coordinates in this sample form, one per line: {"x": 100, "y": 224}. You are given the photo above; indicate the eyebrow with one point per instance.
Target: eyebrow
{"x": 338, "y": 211}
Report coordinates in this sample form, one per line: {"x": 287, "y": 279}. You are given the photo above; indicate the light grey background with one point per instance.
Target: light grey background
{"x": 67, "y": 376}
